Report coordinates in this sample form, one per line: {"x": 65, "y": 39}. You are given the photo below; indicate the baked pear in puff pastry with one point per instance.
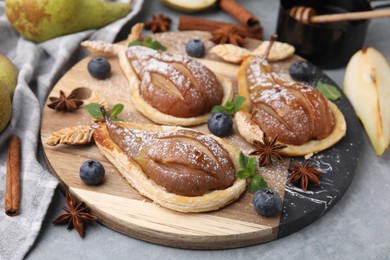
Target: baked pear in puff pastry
{"x": 168, "y": 89}
{"x": 180, "y": 169}
{"x": 302, "y": 118}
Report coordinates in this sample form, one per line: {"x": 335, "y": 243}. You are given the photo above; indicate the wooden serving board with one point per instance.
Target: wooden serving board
{"x": 120, "y": 207}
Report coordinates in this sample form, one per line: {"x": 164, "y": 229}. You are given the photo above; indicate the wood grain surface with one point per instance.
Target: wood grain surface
{"x": 118, "y": 205}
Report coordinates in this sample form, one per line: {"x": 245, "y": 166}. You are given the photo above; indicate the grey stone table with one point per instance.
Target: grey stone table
{"x": 358, "y": 227}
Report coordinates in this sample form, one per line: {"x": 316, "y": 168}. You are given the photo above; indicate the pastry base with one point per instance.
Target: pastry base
{"x": 132, "y": 172}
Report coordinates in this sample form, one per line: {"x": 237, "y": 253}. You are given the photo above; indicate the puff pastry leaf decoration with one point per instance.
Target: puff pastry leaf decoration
{"x": 279, "y": 50}
{"x": 236, "y": 54}
{"x": 75, "y": 135}
{"x": 230, "y": 52}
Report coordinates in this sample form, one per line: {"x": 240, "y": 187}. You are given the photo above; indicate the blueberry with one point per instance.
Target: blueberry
{"x": 304, "y": 71}
{"x": 195, "y": 48}
{"x": 267, "y": 202}
{"x": 220, "y": 124}
{"x": 92, "y": 172}
{"x": 99, "y": 67}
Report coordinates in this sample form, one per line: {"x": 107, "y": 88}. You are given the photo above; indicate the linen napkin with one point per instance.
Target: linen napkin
{"x": 40, "y": 66}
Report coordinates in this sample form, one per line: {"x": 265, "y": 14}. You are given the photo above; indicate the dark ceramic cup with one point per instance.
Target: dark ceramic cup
{"x": 327, "y": 45}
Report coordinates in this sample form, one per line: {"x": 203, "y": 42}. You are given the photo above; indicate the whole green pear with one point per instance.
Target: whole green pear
{"x": 5, "y": 107}
{"x": 41, "y": 20}
{"x": 8, "y": 74}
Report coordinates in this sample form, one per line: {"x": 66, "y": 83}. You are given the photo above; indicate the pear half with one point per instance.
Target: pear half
{"x": 367, "y": 86}
{"x": 189, "y": 5}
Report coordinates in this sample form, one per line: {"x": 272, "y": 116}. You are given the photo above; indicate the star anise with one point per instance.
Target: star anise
{"x": 65, "y": 103}
{"x": 75, "y": 215}
{"x": 160, "y": 23}
{"x": 268, "y": 150}
{"x": 305, "y": 173}
{"x": 228, "y": 34}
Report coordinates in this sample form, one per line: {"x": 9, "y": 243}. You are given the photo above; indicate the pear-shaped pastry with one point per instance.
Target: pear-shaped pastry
{"x": 301, "y": 117}
{"x": 180, "y": 169}
{"x": 168, "y": 89}
{"x": 174, "y": 89}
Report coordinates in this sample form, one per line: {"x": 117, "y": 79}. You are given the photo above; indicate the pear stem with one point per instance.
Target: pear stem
{"x": 105, "y": 115}
{"x": 271, "y": 42}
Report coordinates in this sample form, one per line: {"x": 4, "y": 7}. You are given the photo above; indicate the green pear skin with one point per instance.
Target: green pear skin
{"x": 5, "y": 107}
{"x": 41, "y": 20}
{"x": 8, "y": 74}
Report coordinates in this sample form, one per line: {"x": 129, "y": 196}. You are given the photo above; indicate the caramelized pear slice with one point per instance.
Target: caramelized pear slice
{"x": 184, "y": 162}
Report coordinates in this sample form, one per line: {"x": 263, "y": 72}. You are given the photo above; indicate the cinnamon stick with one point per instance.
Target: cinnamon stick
{"x": 12, "y": 188}
{"x": 240, "y": 13}
{"x": 192, "y": 23}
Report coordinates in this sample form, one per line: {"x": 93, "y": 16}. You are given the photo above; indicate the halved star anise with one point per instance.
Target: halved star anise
{"x": 65, "y": 103}
{"x": 75, "y": 215}
{"x": 268, "y": 150}
{"x": 160, "y": 23}
{"x": 305, "y": 174}
{"x": 228, "y": 34}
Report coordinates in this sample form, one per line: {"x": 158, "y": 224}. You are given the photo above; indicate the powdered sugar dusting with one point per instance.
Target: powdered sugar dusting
{"x": 295, "y": 112}
{"x": 183, "y": 147}
{"x": 196, "y": 83}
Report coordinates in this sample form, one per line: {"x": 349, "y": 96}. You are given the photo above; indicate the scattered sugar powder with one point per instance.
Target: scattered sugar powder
{"x": 173, "y": 143}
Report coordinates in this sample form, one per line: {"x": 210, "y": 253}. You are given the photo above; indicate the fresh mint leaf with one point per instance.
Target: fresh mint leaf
{"x": 257, "y": 183}
{"x": 238, "y": 102}
{"x": 135, "y": 43}
{"x": 243, "y": 160}
{"x": 219, "y": 108}
{"x": 116, "y": 110}
{"x": 150, "y": 43}
{"x": 157, "y": 46}
{"x": 248, "y": 169}
{"x": 251, "y": 165}
{"x": 243, "y": 174}
{"x": 328, "y": 90}
{"x": 94, "y": 110}
{"x": 230, "y": 107}
{"x": 248, "y": 164}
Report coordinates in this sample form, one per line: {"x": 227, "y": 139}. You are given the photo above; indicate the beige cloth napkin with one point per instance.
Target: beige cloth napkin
{"x": 40, "y": 66}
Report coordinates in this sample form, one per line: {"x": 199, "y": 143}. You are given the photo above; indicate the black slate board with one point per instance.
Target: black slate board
{"x": 338, "y": 165}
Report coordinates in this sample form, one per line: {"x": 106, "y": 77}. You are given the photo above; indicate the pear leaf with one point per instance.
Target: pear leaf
{"x": 328, "y": 90}
{"x": 116, "y": 110}
{"x": 94, "y": 110}
{"x": 150, "y": 43}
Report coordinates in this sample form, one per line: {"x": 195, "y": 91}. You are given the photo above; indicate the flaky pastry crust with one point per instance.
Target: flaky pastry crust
{"x": 102, "y": 48}
{"x": 133, "y": 173}
{"x": 251, "y": 131}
